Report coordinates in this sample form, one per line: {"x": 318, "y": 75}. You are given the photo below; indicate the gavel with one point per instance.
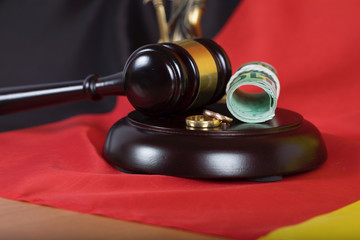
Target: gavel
{"x": 158, "y": 79}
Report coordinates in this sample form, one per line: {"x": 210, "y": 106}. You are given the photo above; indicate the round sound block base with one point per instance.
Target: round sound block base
{"x": 285, "y": 145}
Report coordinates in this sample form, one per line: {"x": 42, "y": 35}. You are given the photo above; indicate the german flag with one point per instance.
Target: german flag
{"x": 314, "y": 46}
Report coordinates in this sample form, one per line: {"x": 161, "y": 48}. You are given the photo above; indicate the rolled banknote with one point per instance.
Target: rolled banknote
{"x": 253, "y": 107}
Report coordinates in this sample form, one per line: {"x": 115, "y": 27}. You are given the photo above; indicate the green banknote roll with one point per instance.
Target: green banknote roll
{"x": 253, "y": 107}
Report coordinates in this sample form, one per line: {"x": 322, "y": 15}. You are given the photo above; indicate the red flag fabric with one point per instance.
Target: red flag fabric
{"x": 314, "y": 45}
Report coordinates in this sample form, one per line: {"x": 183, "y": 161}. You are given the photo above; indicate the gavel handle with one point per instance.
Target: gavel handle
{"x": 15, "y": 99}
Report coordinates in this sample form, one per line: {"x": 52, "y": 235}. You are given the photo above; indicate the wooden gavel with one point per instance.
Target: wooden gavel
{"x": 158, "y": 79}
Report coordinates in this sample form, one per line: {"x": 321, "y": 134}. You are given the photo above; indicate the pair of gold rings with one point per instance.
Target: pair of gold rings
{"x": 209, "y": 119}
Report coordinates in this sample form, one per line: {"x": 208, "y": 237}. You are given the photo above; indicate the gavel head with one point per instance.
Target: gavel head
{"x": 174, "y": 77}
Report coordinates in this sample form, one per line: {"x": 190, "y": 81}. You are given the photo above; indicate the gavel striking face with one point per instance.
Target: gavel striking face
{"x": 158, "y": 79}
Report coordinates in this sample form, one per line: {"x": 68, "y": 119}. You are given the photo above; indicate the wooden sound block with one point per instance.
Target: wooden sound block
{"x": 287, "y": 144}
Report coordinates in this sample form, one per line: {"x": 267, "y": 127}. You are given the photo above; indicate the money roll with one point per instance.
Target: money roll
{"x": 253, "y": 107}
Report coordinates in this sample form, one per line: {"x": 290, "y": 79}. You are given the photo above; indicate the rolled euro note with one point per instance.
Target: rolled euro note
{"x": 253, "y": 107}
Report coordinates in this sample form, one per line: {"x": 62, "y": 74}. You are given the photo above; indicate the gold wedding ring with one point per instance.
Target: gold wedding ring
{"x": 201, "y": 121}
{"x": 217, "y": 116}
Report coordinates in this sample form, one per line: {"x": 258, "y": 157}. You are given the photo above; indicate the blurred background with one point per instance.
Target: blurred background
{"x": 60, "y": 40}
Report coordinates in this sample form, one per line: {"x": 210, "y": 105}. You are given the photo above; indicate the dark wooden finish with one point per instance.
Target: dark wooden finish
{"x": 15, "y": 99}
{"x": 285, "y": 145}
{"x": 158, "y": 79}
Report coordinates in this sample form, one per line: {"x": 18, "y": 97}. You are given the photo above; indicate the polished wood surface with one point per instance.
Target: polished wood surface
{"x": 21, "y": 220}
{"x": 158, "y": 79}
{"x": 240, "y": 150}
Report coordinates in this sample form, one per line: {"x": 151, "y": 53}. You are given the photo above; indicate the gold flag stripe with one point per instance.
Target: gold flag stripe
{"x": 339, "y": 224}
